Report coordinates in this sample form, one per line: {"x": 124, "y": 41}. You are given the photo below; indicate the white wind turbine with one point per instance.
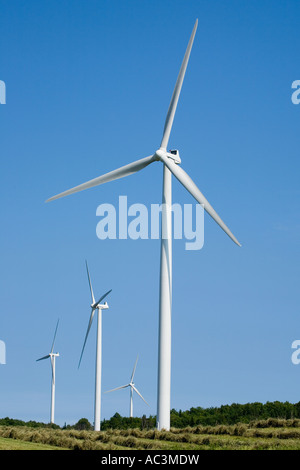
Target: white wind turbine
{"x": 52, "y": 357}
{"x": 96, "y": 306}
{"x": 171, "y": 165}
{"x": 132, "y": 389}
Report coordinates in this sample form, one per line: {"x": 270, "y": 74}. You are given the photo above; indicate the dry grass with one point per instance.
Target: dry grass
{"x": 267, "y": 434}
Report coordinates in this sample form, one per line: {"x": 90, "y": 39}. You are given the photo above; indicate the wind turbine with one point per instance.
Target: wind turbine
{"x": 132, "y": 389}
{"x": 52, "y": 357}
{"x": 96, "y": 306}
{"x": 171, "y": 165}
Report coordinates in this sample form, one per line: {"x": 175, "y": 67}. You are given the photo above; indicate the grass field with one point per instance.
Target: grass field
{"x": 14, "y": 444}
{"x": 261, "y": 435}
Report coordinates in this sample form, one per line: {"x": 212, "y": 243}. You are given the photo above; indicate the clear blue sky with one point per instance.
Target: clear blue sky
{"x": 88, "y": 88}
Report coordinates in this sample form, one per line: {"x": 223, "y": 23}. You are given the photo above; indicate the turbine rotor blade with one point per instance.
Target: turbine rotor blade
{"x": 136, "y": 390}
{"x": 87, "y": 333}
{"x": 176, "y": 92}
{"x": 101, "y": 298}
{"x": 54, "y": 336}
{"x": 191, "y": 187}
{"x": 90, "y": 283}
{"x": 133, "y": 372}
{"x": 111, "y": 176}
{"x": 118, "y": 388}
{"x": 42, "y": 358}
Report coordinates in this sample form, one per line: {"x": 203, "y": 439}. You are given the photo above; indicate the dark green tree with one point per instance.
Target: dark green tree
{"x": 83, "y": 425}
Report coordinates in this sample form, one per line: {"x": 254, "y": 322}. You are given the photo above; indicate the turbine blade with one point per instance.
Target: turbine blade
{"x": 111, "y": 176}
{"x": 176, "y": 92}
{"x": 118, "y": 388}
{"x": 87, "y": 333}
{"x": 189, "y": 184}
{"x": 42, "y": 358}
{"x": 54, "y": 336}
{"x": 133, "y": 372}
{"x": 90, "y": 283}
{"x": 136, "y": 390}
{"x": 101, "y": 298}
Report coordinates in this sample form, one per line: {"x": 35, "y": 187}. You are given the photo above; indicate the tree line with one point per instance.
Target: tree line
{"x": 225, "y": 414}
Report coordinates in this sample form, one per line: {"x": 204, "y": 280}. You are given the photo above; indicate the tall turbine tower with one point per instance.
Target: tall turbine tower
{"x": 132, "y": 389}
{"x": 52, "y": 357}
{"x": 96, "y": 306}
{"x": 171, "y": 165}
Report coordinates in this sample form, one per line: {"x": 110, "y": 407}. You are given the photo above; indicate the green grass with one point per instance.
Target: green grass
{"x": 13, "y": 444}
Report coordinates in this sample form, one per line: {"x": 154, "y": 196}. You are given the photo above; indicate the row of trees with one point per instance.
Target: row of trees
{"x": 235, "y": 413}
{"x": 226, "y": 414}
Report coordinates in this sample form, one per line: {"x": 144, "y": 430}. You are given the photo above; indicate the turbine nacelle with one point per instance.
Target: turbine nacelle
{"x": 94, "y": 306}
{"x": 161, "y": 153}
{"x": 100, "y": 306}
{"x": 174, "y": 155}
{"x": 103, "y": 306}
{"x": 54, "y": 354}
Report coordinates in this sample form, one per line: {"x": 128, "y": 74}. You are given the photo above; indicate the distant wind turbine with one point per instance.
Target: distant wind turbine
{"x": 52, "y": 357}
{"x": 132, "y": 389}
{"x": 96, "y": 306}
{"x": 171, "y": 165}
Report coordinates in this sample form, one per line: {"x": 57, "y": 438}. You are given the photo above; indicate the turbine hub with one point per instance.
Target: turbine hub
{"x": 160, "y": 153}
